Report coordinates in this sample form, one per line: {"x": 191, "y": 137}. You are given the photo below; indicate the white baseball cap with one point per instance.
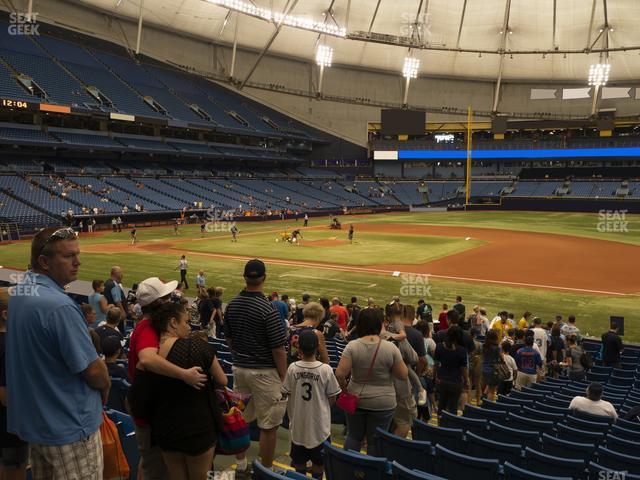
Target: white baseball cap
{"x": 152, "y": 289}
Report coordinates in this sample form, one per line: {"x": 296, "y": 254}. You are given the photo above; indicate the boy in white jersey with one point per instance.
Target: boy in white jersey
{"x": 312, "y": 388}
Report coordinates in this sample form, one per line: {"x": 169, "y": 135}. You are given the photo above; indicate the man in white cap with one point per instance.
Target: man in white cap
{"x": 143, "y": 356}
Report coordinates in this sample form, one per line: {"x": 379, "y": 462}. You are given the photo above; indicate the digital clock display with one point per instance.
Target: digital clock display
{"x": 8, "y": 103}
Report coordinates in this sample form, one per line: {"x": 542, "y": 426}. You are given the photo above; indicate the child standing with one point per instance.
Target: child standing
{"x": 312, "y": 388}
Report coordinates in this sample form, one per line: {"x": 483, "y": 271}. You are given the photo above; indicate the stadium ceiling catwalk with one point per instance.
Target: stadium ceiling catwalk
{"x": 554, "y": 40}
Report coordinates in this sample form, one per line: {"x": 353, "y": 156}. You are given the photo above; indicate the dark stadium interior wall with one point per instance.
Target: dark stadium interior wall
{"x": 345, "y": 120}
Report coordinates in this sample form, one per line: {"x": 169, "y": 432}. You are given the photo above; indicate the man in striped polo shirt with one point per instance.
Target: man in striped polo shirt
{"x": 257, "y": 337}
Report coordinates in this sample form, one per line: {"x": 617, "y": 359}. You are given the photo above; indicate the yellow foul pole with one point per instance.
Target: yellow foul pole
{"x": 468, "y": 177}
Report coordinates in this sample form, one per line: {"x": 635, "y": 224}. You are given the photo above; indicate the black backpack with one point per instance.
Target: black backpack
{"x": 586, "y": 361}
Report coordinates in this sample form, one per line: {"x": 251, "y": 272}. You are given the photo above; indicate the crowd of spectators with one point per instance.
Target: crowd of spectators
{"x": 399, "y": 361}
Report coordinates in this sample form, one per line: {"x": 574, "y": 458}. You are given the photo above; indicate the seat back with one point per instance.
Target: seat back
{"x": 447, "y": 437}
{"x": 597, "y": 472}
{"x": 625, "y": 433}
{"x": 480, "y": 447}
{"x": 413, "y": 454}
{"x": 552, "y": 445}
{"x": 402, "y": 473}
{"x": 525, "y": 423}
{"x": 476, "y": 425}
{"x": 526, "y": 438}
{"x": 347, "y": 465}
{"x": 587, "y": 425}
{"x": 634, "y": 426}
{"x": 618, "y": 461}
{"x": 260, "y": 472}
{"x": 542, "y": 414}
{"x": 551, "y": 465}
{"x": 451, "y": 464}
{"x": 576, "y": 435}
{"x": 591, "y": 417}
{"x": 118, "y": 394}
{"x": 513, "y": 472}
{"x": 471, "y": 411}
{"x": 622, "y": 445}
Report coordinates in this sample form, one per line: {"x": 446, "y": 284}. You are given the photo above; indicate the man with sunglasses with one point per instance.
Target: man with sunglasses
{"x": 56, "y": 382}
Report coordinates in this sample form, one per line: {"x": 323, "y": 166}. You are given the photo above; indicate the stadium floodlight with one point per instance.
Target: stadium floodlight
{"x": 411, "y": 66}
{"x": 599, "y": 74}
{"x": 324, "y": 55}
{"x": 249, "y": 8}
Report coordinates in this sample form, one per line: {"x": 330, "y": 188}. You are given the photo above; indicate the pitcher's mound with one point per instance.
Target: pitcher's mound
{"x": 330, "y": 242}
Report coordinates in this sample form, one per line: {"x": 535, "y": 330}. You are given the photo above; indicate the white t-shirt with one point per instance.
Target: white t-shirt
{"x": 309, "y": 385}
{"x": 540, "y": 337}
{"x": 511, "y": 363}
{"x": 601, "y": 407}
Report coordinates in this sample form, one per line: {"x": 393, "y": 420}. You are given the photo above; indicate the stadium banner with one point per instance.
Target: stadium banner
{"x": 543, "y": 93}
{"x": 45, "y": 107}
{"x": 525, "y": 154}
{"x": 122, "y": 116}
{"x": 616, "y": 92}
{"x": 576, "y": 93}
{"x": 385, "y": 155}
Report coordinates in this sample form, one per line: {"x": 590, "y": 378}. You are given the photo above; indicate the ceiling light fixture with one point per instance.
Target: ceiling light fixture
{"x": 324, "y": 56}
{"x": 411, "y": 66}
{"x": 277, "y": 17}
{"x": 599, "y": 74}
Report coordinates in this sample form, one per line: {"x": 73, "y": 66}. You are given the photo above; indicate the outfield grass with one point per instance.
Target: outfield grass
{"x": 592, "y": 311}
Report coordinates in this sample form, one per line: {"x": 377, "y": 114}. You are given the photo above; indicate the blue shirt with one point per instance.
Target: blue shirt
{"x": 94, "y": 301}
{"x": 282, "y": 308}
{"x": 528, "y": 360}
{"x": 48, "y": 346}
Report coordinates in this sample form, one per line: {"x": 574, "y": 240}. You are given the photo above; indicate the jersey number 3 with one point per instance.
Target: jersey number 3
{"x": 306, "y": 395}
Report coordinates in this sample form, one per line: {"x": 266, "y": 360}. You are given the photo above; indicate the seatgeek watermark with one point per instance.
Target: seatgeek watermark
{"x": 24, "y": 286}
{"x": 614, "y": 221}
{"x": 217, "y": 475}
{"x": 219, "y": 220}
{"x": 21, "y": 23}
{"x": 612, "y": 475}
{"x": 414, "y": 285}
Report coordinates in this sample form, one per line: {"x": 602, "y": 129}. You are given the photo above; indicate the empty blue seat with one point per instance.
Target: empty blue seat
{"x": 541, "y": 386}
{"x": 597, "y": 377}
{"x": 545, "y": 407}
{"x": 501, "y": 407}
{"x": 525, "y": 395}
{"x": 500, "y": 433}
{"x": 413, "y": 454}
{"x": 552, "y": 465}
{"x": 622, "y": 445}
{"x": 516, "y": 401}
{"x": 260, "y": 472}
{"x": 618, "y": 461}
{"x": 626, "y": 424}
{"x": 482, "y": 447}
{"x": 552, "y": 445}
{"x": 451, "y": 464}
{"x": 601, "y": 370}
{"x": 452, "y": 438}
{"x": 525, "y": 423}
{"x": 475, "y": 425}
{"x": 513, "y": 472}
{"x": 541, "y": 414}
{"x": 625, "y": 433}
{"x": 118, "y": 394}
{"x": 587, "y": 425}
{"x": 471, "y": 411}
{"x": 576, "y": 435}
{"x": 346, "y": 464}
{"x": 402, "y": 473}
{"x": 557, "y": 400}
{"x": 620, "y": 373}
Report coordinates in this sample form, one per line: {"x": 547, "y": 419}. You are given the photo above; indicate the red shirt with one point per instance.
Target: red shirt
{"x": 143, "y": 336}
{"x": 444, "y": 324}
{"x": 343, "y": 315}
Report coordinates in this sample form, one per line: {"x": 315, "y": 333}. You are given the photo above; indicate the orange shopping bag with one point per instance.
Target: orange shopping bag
{"x": 115, "y": 463}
